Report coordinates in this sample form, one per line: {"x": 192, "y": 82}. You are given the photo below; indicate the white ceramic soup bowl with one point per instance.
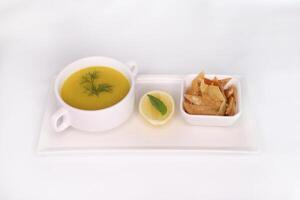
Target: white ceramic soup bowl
{"x": 210, "y": 120}
{"x": 93, "y": 120}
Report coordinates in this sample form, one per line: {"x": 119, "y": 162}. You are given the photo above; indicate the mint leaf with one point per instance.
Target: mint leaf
{"x": 158, "y": 104}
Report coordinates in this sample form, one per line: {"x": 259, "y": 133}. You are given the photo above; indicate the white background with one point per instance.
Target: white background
{"x": 257, "y": 39}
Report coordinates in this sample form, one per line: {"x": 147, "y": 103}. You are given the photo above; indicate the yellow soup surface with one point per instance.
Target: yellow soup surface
{"x": 95, "y": 88}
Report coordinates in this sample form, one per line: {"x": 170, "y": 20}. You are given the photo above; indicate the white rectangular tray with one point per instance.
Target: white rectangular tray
{"x": 138, "y": 135}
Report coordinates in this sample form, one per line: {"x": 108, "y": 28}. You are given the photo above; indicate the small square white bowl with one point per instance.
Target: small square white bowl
{"x": 209, "y": 120}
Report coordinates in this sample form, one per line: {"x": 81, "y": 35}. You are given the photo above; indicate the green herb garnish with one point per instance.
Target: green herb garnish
{"x": 90, "y": 87}
{"x": 158, "y": 104}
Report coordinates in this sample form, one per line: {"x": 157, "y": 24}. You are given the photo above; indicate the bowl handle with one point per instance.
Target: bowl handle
{"x": 60, "y": 120}
{"x": 133, "y": 68}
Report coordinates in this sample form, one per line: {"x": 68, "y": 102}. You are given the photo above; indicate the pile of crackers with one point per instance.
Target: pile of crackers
{"x": 209, "y": 97}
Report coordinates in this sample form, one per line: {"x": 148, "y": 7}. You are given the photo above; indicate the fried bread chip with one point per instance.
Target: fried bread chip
{"x": 198, "y": 110}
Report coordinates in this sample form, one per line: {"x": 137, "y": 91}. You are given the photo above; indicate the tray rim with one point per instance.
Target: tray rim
{"x": 61, "y": 151}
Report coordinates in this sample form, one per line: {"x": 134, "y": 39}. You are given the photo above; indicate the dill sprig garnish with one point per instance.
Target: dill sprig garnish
{"x": 90, "y": 87}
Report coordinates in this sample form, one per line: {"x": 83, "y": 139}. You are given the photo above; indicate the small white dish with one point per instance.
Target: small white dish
{"x": 208, "y": 120}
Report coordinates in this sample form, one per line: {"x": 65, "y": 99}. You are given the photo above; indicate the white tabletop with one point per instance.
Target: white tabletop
{"x": 259, "y": 40}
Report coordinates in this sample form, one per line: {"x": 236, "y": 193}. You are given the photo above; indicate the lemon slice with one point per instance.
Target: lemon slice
{"x": 151, "y": 113}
